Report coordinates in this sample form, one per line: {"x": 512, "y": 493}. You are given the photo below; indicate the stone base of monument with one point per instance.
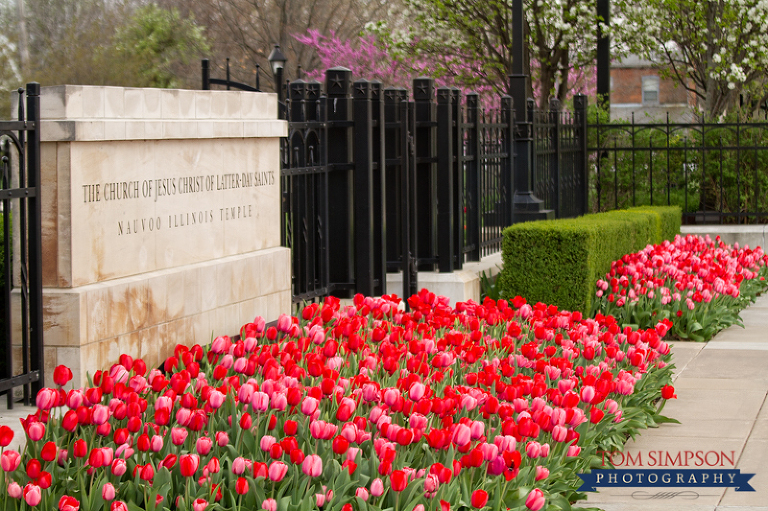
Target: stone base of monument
{"x": 458, "y": 286}
{"x": 161, "y": 221}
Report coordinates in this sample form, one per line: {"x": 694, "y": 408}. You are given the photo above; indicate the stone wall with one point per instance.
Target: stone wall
{"x": 160, "y": 220}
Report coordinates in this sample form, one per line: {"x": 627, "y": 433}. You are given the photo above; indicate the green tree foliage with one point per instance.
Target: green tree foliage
{"x": 91, "y": 42}
{"x": 156, "y": 41}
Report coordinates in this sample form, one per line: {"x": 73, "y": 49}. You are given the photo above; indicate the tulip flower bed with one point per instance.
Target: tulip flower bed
{"x": 697, "y": 283}
{"x": 363, "y": 407}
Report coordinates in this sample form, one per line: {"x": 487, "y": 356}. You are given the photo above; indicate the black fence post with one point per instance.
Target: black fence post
{"x": 554, "y": 155}
{"x": 423, "y": 212}
{"x": 445, "y": 180}
{"x": 458, "y": 178}
{"x": 395, "y": 148}
{"x": 526, "y": 205}
{"x": 363, "y": 187}
{"x": 206, "y": 74}
{"x": 472, "y": 193}
{"x": 507, "y": 165}
{"x": 379, "y": 193}
{"x": 35, "y": 253}
{"x": 581, "y": 172}
{"x": 340, "y": 210}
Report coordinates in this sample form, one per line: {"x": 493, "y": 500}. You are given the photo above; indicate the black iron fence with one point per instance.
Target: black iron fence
{"x": 379, "y": 180}
{"x": 716, "y": 172}
{"x": 375, "y": 182}
{"x": 22, "y": 272}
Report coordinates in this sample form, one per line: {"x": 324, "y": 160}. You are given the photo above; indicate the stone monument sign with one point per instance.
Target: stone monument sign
{"x": 161, "y": 220}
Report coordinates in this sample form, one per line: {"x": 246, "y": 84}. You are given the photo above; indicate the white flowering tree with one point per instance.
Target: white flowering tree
{"x": 717, "y": 50}
{"x": 474, "y": 40}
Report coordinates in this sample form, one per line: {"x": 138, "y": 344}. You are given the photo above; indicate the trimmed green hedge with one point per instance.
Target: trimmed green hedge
{"x": 558, "y": 261}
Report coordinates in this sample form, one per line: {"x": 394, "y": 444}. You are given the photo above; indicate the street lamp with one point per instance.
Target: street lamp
{"x": 277, "y": 61}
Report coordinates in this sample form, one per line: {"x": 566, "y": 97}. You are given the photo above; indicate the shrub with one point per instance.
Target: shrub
{"x": 558, "y": 261}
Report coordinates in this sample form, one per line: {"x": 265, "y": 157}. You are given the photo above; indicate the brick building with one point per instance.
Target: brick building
{"x": 637, "y": 87}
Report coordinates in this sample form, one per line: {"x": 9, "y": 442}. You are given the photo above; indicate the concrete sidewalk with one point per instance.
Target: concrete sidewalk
{"x": 721, "y": 388}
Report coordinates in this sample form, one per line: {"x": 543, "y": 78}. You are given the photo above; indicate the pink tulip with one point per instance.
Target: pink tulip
{"x": 199, "y": 504}
{"x": 36, "y": 431}
{"x": 260, "y": 401}
{"x": 178, "y": 435}
{"x": 14, "y": 490}
{"x": 238, "y": 465}
{"x": 46, "y": 399}
{"x": 362, "y": 493}
{"x": 588, "y": 394}
{"x": 277, "y": 471}
{"x": 279, "y": 401}
{"x": 309, "y": 406}
{"x": 156, "y": 444}
{"x": 573, "y": 451}
{"x": 320, "y": 499}
{"x": 216, "y": 399}
{"x": 312, "y": 465}
{"x": 377, "y": 487}
{"x": 541, "y": 472}
{"x": 533, "y": 449}
{"x": 10, "y": 461}
{"x": 416, "y": 391}
{"x": 203, "y": 445}
{"x": 559, "y": 433}
{"x": 108, "y": 491}
{"x": 462, "y": 435}
{"x": 32, "y": 494}
{"x": 222, "y": 438}
{"x": 535, "y": 500}
{"x": 119, "y": 467}
{"x": 100, "y": 414}
{"x": 269, "y": 505}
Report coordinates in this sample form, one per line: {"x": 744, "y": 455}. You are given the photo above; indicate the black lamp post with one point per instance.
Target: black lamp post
{"x": 277, "y": 61}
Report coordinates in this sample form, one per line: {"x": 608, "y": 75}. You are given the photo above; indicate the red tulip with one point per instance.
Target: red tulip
{"x": 668, "y": 392}
{"x": 399, "y": 480}
{"x": 67, "y": 503}
{"x": 188, "y": 464}
{"x": 33, "y": 468}
{"x": 61, "y": 375}
{"x": 241, "y": 486}
{"x": 479, "y": 498}
{"x": 6, "y": 435}
{"x": 49, "y": 451}
{"x": 118, "y": 505}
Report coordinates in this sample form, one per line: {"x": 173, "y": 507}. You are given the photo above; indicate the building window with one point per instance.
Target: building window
{"x": 650, "y": 90}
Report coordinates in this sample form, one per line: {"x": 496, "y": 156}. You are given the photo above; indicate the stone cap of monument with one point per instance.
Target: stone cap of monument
{"x": 84, "y": 113}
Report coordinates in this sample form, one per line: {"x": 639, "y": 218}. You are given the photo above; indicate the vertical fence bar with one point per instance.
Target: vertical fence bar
{"x": 363, "y": 188}
{"x": 458, "y": 178}
{"x": 410, "y": 257}
{"x": 206, "y": 65}
{"x": 580, "y": 104}
{"x": 35, "y": 269}
{"x": 340, "y": 179}
{"x": 506, "y": 163}
{"x": 6, "y": 371}
{"x": 379, "y": 191}
{"x": 425, "y": 173}
{"x": 445, "y": 180}
{"x": 395, "y": 154}
{"x": 554, "y": 157}
{"x": 472, "y": 177}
